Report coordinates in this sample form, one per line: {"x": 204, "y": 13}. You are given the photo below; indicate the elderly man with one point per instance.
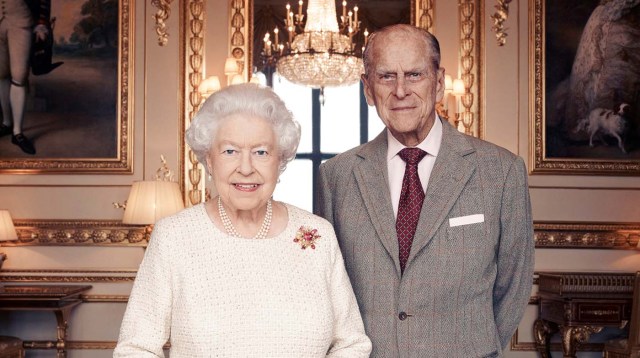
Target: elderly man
{"x": 435, "y": 226}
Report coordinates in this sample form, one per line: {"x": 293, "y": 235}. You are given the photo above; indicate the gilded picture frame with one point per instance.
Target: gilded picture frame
{"x": 79, "y": 115}
{"x": 570, "y": 107}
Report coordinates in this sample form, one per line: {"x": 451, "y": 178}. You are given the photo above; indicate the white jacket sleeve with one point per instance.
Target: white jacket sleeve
{"x": 147, "y": 320}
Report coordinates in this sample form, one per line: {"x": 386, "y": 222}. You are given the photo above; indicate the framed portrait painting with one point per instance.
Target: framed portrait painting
{"x": 585, "y": 94}
{"x": 75, "y": 91}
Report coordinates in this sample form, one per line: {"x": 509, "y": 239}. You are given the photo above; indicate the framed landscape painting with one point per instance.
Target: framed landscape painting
{"x": 585, "y": 94}
{"x": 78, "y": 113}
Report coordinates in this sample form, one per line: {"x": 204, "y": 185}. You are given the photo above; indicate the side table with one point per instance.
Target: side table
{"x": 60, "y": 299}
{"x": 579, "y": 304}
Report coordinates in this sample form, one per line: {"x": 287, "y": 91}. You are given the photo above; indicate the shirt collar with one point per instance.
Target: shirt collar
{"x": 431, "y": 144}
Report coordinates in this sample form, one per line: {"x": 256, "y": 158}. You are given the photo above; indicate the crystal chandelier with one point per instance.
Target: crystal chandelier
{"x": 323, "y": 54}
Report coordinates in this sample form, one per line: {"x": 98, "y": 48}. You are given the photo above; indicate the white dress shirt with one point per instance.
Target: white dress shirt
{"x": 396, "y": 166}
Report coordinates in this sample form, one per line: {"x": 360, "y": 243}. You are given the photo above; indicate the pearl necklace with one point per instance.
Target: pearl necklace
{"x": 231, "y": 230}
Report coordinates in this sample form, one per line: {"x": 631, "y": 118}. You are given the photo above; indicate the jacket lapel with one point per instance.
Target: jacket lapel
{"x": 373, "y": 183}
{"x": 448, "y": 178}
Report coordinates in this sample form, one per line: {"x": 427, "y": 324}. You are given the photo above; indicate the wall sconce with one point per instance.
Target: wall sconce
{"x": 7, "y": 231}
{"x": 236, "y": 79}
{"x": 209, "y": 86}
{"x": 448, "y": 84}
{"x": 152, "y": 200}
{"x": 442, "y": 107}
{"x": 233, "y": 71}
{"x": 231, "y": 66}
{"x": 448, "y": 108}
{"x": 457, "y": 92}
{"x": 255, "y": 79}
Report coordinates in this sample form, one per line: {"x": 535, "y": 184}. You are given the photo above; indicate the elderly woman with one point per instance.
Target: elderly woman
{"x": 243, "y": 275}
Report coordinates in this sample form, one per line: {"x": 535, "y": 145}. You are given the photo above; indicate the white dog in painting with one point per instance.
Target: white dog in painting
{"x": 607, "y": 122}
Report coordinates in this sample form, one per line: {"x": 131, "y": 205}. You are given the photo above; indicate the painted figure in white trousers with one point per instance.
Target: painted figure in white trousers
{"x": 16, "y": 27}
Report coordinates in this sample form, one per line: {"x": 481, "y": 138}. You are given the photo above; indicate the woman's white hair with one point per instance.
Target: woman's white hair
{"x": 250, "y": 99}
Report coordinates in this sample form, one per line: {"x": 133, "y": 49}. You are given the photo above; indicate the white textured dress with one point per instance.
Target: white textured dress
{"x": 214, "y": 295}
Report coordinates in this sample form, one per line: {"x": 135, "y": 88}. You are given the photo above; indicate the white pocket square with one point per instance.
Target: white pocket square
{"x": 466, "y": 220}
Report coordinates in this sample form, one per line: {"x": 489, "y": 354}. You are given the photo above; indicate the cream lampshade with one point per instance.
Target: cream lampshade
{"x": 209, "y": 86}
{"x": 231, "y": 66}
{"x": 448, "y": 84}
{"x": 150, "y": 201}
{"x": 458, "y": 87}
{"x": 7, "y": 231}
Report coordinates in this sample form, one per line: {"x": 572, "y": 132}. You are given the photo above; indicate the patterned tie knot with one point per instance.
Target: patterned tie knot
{"x": 412, "y": 156}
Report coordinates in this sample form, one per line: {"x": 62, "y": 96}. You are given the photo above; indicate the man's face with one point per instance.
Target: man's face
{"x": 403, "y": 85}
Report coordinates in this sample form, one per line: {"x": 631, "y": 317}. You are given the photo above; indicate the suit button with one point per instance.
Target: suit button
{"x": 402, "y": 316}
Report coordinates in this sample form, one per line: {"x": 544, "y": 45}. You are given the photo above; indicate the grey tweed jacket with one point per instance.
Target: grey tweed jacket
{"x": 467, "y": 280}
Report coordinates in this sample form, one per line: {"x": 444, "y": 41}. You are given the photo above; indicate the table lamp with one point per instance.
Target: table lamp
{"x": 7, "y": 231}
{"x": 152, "y": 200}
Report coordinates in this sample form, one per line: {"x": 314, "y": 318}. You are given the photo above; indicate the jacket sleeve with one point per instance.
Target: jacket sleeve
{"x": 515, "y": 256}
{"x": 147, "y": 320}
{"x": 349, "y": 338}
{"x": 323, "y": 196}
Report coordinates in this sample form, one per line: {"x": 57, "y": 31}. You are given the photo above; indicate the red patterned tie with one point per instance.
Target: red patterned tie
{"x": 411, "y": 199}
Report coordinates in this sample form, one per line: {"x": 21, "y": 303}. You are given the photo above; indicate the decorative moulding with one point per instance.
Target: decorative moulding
{"x": 68, "y": 276}
{"x": 580, "y": 235}
{"x": 78, "y": 233}
{"x": 547, "y": 234}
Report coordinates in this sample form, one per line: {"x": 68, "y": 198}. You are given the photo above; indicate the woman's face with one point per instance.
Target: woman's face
{"x": 245, "y": 161}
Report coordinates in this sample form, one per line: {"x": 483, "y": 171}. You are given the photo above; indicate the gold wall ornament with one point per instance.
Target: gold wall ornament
{"x": 499, "y": 17}
{"x": 422, "y": 14}
{"x": 192, "y": 48}
{"x": 78, "y": 233}
{"x": 469, "y": 65}
{"x": 239, "y": 33}
{"x": 238, "y": 19}
{"x": 162, "y": 15}
{"x": 619, "y": 236}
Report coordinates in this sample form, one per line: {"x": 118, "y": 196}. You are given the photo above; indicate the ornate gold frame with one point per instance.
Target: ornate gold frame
{"x": 123, "y": 162}
{"x": 539, "y": 163}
